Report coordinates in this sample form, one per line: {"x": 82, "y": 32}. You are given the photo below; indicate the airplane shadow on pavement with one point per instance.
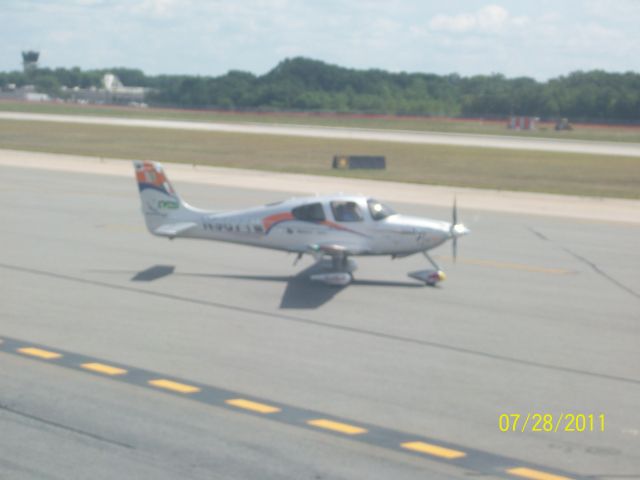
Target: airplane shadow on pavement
{"x": 153, "y": 273}
{"x": 300, "y": 291}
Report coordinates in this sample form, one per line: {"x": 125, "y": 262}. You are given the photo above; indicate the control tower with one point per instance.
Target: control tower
{"x": 30, "y": 60}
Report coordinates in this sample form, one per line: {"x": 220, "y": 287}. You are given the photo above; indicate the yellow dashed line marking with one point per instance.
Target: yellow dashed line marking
{"x": 254, "y": 406}
{"x": 436, "y": 450}
{"x": 72, "y": 360}
{"x": 102, "y": 368}
{"x": 518, "y": 266}
{"x": 175, "y": 386}
{"x": 337, "y": 426}
{"x": 38, "y": 352}
{"x": 511, "y": 266}
{"x": 535, "y": 474}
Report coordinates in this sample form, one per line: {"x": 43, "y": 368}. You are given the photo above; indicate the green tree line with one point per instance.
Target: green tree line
{"x": 302, "y": 84}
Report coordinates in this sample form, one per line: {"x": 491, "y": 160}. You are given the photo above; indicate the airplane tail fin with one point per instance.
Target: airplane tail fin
{"x": 164, "y": 211}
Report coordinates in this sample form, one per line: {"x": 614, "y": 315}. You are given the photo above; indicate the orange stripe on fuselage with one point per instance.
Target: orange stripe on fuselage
{"x": 341, "y": 228}
{"x": 271, "y": 220}
{"x": 336, "y": 226}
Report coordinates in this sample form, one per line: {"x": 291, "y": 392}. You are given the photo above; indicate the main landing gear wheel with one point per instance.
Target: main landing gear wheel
{"x": 336, "y": 271}
{"x": 335, "y": 279}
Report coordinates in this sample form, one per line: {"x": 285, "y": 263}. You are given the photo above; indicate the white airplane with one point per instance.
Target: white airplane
{"x": 331, "y": 228}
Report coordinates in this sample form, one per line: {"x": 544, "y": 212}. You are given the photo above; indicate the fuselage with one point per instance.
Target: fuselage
{"x": 362, "y": 225}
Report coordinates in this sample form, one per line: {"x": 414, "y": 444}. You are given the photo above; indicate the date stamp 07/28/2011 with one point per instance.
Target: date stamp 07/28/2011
{"x": 549, "y": 422}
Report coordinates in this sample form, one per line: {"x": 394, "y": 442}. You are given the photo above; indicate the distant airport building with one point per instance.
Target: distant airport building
{"x": 113, "y": 92}
{"x": 26, "y": 93}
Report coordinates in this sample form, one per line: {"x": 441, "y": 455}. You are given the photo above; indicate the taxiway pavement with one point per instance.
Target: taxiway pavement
{"x": 539, "y": 315}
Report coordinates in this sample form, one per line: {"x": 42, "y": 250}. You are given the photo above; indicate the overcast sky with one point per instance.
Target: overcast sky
{"x": 540, "y": 39}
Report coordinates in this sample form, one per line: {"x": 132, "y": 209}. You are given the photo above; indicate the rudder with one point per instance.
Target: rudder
{"x": 160, "y": 202}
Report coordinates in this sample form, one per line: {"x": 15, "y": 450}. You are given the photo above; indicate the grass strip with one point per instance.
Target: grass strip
{"x": 563, "y": 173}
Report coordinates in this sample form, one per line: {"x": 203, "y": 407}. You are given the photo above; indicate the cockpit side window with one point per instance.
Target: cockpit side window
{"x": 346, "y": 211}
{"x": 379, "y": 210}
{"x": 312, "y": 212}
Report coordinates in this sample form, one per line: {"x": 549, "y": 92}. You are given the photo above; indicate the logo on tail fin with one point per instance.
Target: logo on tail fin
{"x": 150, "y": 175}
{"x": 168, "y": 204}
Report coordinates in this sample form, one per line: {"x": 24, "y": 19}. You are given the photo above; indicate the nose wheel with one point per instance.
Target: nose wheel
{"x": 430, "y": 277}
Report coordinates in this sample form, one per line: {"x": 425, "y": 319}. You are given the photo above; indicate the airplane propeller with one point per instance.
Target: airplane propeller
{"x": 456, "y": 230}
{"x": 454, "y": 222}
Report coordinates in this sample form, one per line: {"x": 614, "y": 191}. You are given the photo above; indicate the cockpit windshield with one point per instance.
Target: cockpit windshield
{"x": 379, "y": 210}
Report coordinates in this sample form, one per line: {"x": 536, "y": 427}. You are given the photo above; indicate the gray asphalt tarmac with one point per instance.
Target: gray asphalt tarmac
{"x": 539, "y": 315}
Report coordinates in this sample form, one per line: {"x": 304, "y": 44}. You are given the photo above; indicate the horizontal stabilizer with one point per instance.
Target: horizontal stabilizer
{"x": 174, "y": 229}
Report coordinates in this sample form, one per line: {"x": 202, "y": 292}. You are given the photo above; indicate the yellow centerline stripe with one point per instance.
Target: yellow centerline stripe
{"x": 337, "y": 426}
{"x": 517, "y": 266}
{"x": 534, "y": 474}
{"x": 102, "y": 368}
{"x": 435, "y": 450}
{"x": 510, "y": 266}
{"x": 40, "y": 353}
{"x": 175, "y": 386}
{"x": 254, "y": 406}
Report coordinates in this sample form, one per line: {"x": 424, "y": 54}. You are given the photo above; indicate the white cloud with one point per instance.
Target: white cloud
{"x": 457, "y": 23}
{"x": 592, "y": 38}
{"x": 492, "y": 17}
{"x": 488, "y": 19}
{"x": 61, "y": 37}
{"x": 158, "y": 8}
{"x": 620, "y": 10}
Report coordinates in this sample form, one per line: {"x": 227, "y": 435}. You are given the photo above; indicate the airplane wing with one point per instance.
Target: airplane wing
{"x": 172, "y": 230}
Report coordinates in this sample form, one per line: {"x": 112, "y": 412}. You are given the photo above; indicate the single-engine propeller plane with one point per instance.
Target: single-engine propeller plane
{"x": 331, "y": 228}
